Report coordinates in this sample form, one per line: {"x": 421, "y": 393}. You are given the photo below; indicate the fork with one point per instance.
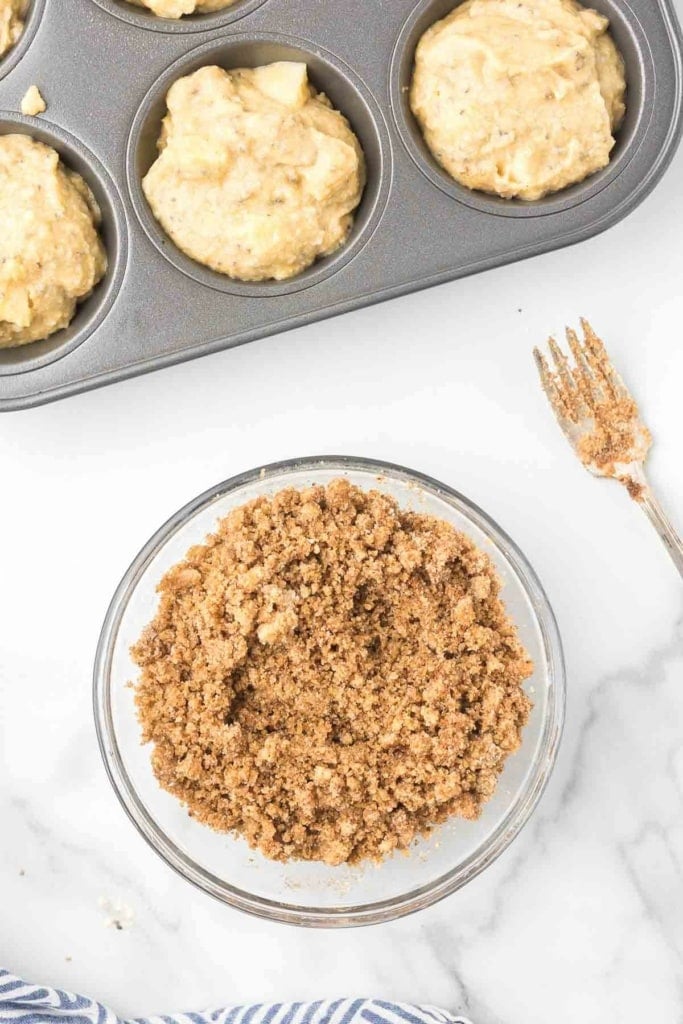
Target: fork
{"x": 601, "y": 421}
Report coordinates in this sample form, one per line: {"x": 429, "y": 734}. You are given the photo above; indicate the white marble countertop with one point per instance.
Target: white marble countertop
{"x": 584, "y": 913}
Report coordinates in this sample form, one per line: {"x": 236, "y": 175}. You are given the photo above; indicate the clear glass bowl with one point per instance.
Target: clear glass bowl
{"x": 307, "y": 893}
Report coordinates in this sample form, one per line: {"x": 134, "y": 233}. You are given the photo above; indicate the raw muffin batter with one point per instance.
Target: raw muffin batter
{"x": 519, "y": 97}
{"x": 177, "y": 8}
{"x": 51, "y": 255}
{"x": 12, "y": 14}
{"x": 257, "y": 175}
{"x": 33, "y": 102}
{"x": 330, "y": 676}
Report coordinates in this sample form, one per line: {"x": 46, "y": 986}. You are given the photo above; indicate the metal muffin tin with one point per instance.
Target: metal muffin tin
{"x": 104, "y": 67}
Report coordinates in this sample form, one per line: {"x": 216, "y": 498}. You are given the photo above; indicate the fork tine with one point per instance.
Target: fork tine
{"x": 549, "y": 384}
{"x": 600, "y": 361}
{"x": 559, "y": 358}
{"x": 564, "y": 380}
{"x": 589, "y": 387}
{"x": 577, "y": 402}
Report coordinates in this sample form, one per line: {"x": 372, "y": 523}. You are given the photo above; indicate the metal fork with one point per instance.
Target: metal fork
{"x": 590, "y": 402}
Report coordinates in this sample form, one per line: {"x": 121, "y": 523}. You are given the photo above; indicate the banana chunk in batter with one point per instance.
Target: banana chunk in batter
{"x": 51, "y": 255}
{"x": 519, "y": 97}
{"x": 257, "y": 175}
{"x": 12, "y": 14}
{"x": 178, "y": 8}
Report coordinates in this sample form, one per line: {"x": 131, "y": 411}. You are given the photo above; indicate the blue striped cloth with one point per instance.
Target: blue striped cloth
{"x": 21, "y": 1003}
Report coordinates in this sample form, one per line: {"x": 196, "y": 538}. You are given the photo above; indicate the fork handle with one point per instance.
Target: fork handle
{"x": 661, "y": 522}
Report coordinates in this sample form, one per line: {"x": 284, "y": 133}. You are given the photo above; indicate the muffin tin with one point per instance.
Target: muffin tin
{"x": 104, "y": 67}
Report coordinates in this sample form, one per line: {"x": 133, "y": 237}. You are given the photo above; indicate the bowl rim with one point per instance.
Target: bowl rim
{"x": 394, "y": 907}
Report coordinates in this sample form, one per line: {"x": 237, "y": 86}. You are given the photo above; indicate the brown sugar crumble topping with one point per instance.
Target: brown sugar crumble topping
{"x": 615, "y": 440}
{"x": 330, "y": 676}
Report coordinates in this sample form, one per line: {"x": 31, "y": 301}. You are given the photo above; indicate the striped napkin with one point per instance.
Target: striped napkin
{"x": 21, "y": 1003}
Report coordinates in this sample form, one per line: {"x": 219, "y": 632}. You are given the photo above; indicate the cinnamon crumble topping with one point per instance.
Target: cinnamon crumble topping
{"x": 330, "y": 676}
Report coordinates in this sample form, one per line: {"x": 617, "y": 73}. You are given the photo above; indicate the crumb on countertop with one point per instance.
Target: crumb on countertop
{"x": 118, "y": 915}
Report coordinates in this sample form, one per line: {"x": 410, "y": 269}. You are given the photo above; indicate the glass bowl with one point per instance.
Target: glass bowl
{"x": 301, "y": 892}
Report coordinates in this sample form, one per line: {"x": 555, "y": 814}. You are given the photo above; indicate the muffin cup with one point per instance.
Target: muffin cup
{"x": 640, "y": 104}
{"x": 142, "y": 17}
{"x": 327, "y": 75}
{"x": 91, "y": 312}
